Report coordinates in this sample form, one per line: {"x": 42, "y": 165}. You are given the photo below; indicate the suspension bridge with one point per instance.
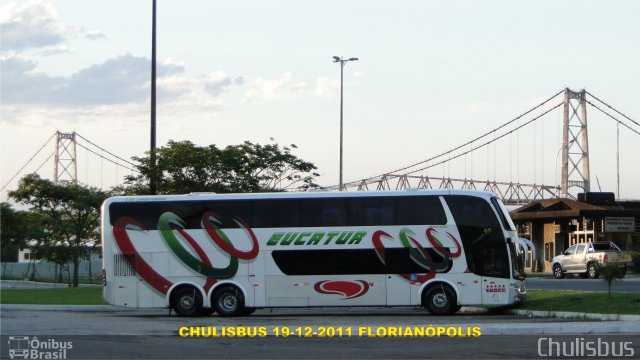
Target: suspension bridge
{"x": 574, "y": 147}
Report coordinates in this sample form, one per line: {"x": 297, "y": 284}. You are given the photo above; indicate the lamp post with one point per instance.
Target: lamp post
{"x": 339, "y": 59}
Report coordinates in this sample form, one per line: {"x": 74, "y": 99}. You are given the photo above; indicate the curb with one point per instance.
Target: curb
{"x": 574, "y": 315}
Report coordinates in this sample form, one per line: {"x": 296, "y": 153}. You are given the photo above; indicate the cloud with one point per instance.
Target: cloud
{"x": 117, "y": 80}
{"x": 326, "y": 87}
{"x": 168, "y": 67}
{"x": 94, "y": 35}
{"x": 123, "y": 79}
{"x": 62, "y": 49}
{"x": 32, "y": 25}
{"x": 170, "y": 88}
{"x": 22, "y": 83}
{"x": 261, "y": 90}
{"x": 215, "y": 84}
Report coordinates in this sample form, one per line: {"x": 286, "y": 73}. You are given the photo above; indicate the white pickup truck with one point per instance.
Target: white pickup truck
{"x": 583, "y": 259}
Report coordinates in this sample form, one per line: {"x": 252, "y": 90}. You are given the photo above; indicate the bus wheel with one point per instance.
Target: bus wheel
{"x": 440, "y": 300}
{"x": 228, "y": 301}
{"x": 248, "y": 310}
{"x": 187, "y": 301}
{"x": 207, "y": 311}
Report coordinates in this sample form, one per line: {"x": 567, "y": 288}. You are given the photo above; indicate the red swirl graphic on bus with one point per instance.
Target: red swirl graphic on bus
{"x": 171, "y": 229}
{"x": 348, "y": 289}
{"x": 419, "y": 253}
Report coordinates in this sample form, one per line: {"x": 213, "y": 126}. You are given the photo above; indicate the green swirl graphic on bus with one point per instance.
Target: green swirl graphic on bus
{"x": 419, "y": 253}
{"x": 170, "y": 226}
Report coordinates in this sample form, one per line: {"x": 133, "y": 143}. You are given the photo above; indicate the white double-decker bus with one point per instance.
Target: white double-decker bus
{"x": 233, "y": 253}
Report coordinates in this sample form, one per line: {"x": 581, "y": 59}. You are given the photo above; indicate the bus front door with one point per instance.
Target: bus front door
{"x": 257, "y": 281}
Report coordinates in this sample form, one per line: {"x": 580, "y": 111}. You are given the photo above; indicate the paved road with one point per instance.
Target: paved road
{"x": 105, "y": 332}
{"x": 627, "y": 284}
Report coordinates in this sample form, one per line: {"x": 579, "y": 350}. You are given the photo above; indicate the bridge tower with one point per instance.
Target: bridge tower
{"x": 575, "y": 144}
{"x": 66, "y": 166}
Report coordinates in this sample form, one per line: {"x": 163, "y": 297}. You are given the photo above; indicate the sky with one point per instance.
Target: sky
{"x": 431, "y": 75}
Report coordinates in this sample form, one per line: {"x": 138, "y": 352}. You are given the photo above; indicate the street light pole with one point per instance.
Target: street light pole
{"x": 342, "y": 64}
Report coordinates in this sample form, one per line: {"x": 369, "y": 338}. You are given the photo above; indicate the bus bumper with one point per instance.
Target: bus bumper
{"x": 518, "y": 293}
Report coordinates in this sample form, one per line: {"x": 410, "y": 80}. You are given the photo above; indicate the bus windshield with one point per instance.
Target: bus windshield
{"x": 482, "y": 238}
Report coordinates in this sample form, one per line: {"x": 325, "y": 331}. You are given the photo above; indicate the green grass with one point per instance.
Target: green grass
{"x": 582, "y": 302}
{"x": 55, "y": 296}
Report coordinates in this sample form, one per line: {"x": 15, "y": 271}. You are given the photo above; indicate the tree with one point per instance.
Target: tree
{"x": 184, "y": 167}
{"x": 21, "y": 230}
{"x": 610, "y": 271}
{"x": 69, "y": 212}
{"x": 13, "y": 224}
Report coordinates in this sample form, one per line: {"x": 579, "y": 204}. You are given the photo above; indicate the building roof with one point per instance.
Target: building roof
{"x": 566, "y": 209}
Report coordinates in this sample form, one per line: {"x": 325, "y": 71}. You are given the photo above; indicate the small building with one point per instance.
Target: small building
{"x": 555, "y": 224}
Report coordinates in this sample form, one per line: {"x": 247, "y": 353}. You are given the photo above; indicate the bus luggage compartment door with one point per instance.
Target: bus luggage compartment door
{"x": 126, "y": 291}
{"x": 398, "y": 290}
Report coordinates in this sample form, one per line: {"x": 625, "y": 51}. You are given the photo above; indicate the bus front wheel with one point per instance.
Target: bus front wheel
{"x": 440, "y": 300}
{"x": 229, "y": 301}
{"x": 187, "y": 301}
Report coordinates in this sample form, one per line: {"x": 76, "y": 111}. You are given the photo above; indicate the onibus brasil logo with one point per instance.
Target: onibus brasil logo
{"x": 25, "y": 347}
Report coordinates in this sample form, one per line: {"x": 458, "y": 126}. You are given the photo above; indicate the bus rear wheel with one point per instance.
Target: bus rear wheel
{"x": 228, "y": 301}
{"x": 186, "y": 301}
{"x": 440, "y": 300}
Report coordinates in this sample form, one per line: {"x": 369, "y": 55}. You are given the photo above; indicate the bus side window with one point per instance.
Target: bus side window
{"x": 322, "y": 212}
{"x": 420, "y": 210}
{"x": 371, "y": 211}
{"x": 274, "y": 213}
{"x": 333, "y": 217}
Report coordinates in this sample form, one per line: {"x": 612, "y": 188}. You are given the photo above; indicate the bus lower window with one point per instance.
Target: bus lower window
{"x": 352, "y": 261}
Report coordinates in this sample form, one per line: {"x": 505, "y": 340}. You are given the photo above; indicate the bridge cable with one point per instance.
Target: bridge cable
{"x": 46, "y": 160}
{"x": 106, "y": 151}
{"x": 611, "y": 116}
{"x": 477, "y": 138}
{"x": 609, "y": 106}
{"x": 490, "y": 141}
{"x": 105, "y": 158}
{"x": 25, "y": 165}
